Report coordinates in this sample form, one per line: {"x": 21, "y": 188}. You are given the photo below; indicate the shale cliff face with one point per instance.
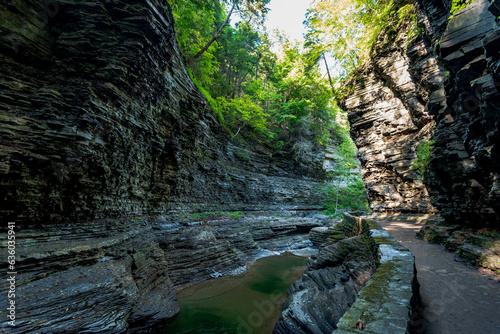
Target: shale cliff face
{"x": 100, "y": 119}
{"x": 465, "y": 167}
{"x": 441, "y": 87}
{"x": 105, "y": 144}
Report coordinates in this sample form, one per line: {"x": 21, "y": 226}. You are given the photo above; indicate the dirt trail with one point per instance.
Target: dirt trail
{"x": 456, "y": 298}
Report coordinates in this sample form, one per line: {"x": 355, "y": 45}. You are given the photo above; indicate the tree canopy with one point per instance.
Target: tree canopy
{"x": 279, "y": 98}
{"x": 348, "y": 29}
{"x": 275, "y": 98}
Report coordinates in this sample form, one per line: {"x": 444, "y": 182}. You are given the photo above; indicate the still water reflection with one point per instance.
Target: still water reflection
{"x": 246, "y": 304}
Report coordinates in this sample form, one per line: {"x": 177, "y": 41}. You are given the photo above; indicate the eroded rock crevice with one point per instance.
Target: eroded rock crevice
{"x": 329, "y": 286}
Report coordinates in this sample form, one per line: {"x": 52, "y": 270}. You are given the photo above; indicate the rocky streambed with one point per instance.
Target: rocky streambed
{"x": 359, "y": 277}
{"x": 218, "y": 245}
{"x": 317, "y": 298}
{"x": 329, "y": 286}
{"x": 119, "y": 276}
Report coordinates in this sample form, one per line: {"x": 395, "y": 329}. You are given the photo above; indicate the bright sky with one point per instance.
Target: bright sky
{"x": 288, "y": 15}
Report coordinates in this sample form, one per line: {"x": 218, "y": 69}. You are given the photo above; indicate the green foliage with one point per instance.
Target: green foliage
{"x": 424, "y": 151}
{"x": 345, "y": 198}
{"x": 235, "y": 215}
{"x": 458, "y": 5}
{"x": 202, "y": 215}
{"x": 278, "y": 145}
{"x": 348, "y": 29}
{"x": 282, "y": 101}
{"x": 490, "y": 234}
{"x": 345, "y": 191}
{"x": 243, "y": 155}
{"x": 242, "y": 111}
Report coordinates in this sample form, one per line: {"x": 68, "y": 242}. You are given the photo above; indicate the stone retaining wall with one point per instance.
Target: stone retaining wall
{"x": 388, "y": 301}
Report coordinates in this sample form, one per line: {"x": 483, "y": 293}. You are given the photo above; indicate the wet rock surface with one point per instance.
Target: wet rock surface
{"x": 103, "y": 279}
{"x": 389, "y": 302}
{"x": 110, "y": 278}
{"x": 198, "y": 249}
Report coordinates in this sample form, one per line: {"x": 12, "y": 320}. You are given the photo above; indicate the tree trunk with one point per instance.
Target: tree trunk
{"x": 205, "y": 48}
{"x": 329, "y": 76}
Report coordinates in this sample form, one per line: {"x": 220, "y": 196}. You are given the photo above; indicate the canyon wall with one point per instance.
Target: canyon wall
{"x": 107, "y": 152}
{"x": 441, "y": 87}
{"x": 100, "y": 120}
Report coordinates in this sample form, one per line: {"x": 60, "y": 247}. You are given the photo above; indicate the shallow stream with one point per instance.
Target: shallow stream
{"x": 249, "y": 303}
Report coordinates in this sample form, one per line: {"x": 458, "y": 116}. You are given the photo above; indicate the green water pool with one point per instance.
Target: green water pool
{"x": 245, "y": 304}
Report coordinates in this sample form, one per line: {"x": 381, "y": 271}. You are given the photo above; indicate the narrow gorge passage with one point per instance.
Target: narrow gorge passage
{"x": 456, "y": 298}
{"x": 151, "y": 144}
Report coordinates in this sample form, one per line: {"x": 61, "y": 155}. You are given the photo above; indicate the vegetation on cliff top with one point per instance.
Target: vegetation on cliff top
{"x": 278, "y": 98}
{"x": 274, "y": 98}
{"x": 349, "y": 29}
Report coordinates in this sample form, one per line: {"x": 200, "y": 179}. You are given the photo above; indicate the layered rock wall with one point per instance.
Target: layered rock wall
{"x": 388, "y": 118}
{"x": 100, "y": 120}
{"x": 465, "y": 166}
{"x": 105, "y": 141}
{"x": 389, "y": 301}
{"x": 442, "y": 87}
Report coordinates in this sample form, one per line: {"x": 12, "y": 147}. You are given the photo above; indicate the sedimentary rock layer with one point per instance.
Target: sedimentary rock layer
{"x": 388, "y": 118}
{"x": 117, "y": 277}
{"x": 390, "y": 300}
{"x": 99, "y": 119}
{"x": 330, "y": 284}
{"x": 103, "y": 136}
{"x": 441, "y": 87}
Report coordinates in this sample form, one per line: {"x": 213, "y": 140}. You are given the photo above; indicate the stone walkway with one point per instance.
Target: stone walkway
{"x": 457, "y": 299}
